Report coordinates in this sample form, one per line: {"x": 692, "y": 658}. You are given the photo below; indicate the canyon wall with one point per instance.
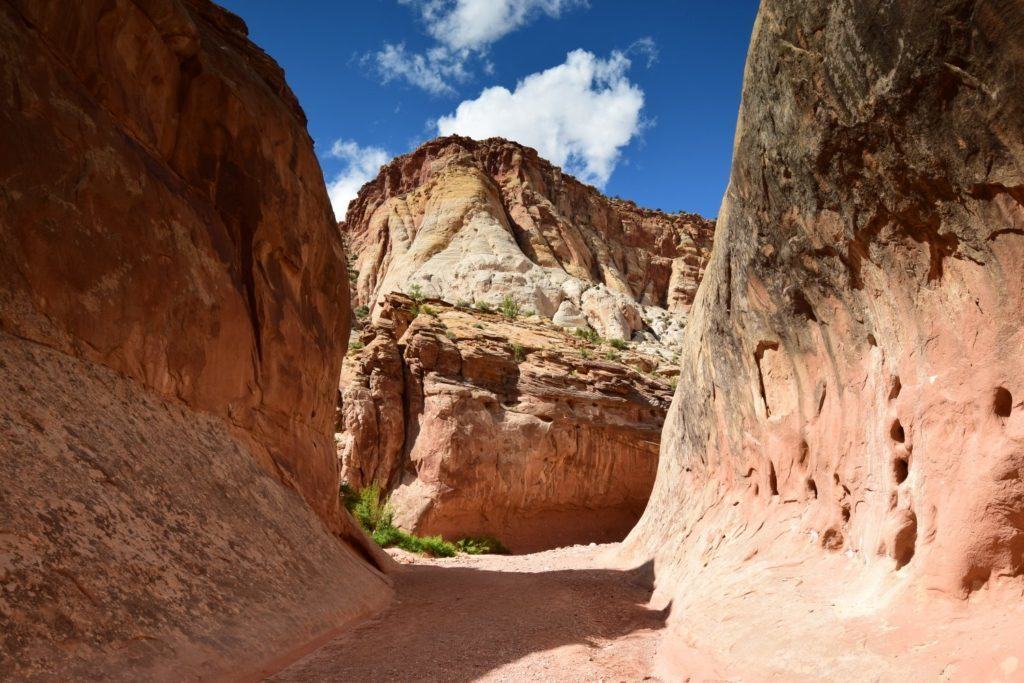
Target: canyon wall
{"x": 848, "y": 418}
{"x": 172, "y": 321}
{"x": 485, "y": 425}
{"x": 478, "y": 220}
{"x": 557, "y": 446}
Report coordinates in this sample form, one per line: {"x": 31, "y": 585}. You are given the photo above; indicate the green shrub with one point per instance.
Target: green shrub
{"x": 356, "y": 345}
{"x": 481, "y": 545}
{"x": 584, "y": 353}
{"x": 611, "y": 354}
{"x": 483, "y": 306}
{"x": 518, "y": 352}
{"x": 619, "y": 344}
{"x": 427, "y": 309}
{"x": 529, "y": 312}
{"x": 462, "y": 303}
{"x": 349, "y": 497}
{"x": 375, "y": 516}
{"x": 588, "y": 334}
{"x": 416, "y": 293}
{"x": 509, "y": 307}
{"x": 362, "y": 312}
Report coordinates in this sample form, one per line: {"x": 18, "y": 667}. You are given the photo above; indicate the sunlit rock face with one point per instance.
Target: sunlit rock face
{"x": 173, "y": 317}
{"x": 480, "y": 220}
{"x": 849, "y": 413}
{"x": 481, "y": 425}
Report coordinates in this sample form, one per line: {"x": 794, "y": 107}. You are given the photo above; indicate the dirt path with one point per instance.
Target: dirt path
{"x": 551, "y": 616}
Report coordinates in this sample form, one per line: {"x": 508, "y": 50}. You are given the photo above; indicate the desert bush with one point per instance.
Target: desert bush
{"x": 375, "y": 517}
{"x": 619, "y": 344}
{"x": 509, "y": 307}
{"x": 483, "y": 306}
{"x": 588, "y": 334}
{"x": 518, "y": 352}
{"x": 481, "y": 545}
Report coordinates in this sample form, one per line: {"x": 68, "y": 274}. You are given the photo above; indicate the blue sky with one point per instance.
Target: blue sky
{"x": 639, "y": 98}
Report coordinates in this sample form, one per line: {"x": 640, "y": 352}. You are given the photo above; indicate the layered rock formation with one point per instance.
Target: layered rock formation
{"x": 486, "y": 425}
{"x": 173, "y": 317}
{"x": 848, "y": 419}
{"x": 476, "y": 221}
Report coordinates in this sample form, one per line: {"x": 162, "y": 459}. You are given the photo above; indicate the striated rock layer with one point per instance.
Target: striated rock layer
{"x": 849, "y": 415}
{"x": 478, "y": 220}
{"x": 172, "y": 319}
{"x": 485, "y": 425}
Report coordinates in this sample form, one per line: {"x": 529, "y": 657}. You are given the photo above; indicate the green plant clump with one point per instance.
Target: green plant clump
{"x": 375, "y": 516}
{"x": 427, "y": 309}
{"x": 462, "y": 303}
{"x": 619, "y": 344}
{"x": 482, "y": 545}
{"x": 362, "y": 312}
{"x": 356, "y": 345}
{"x": 483, "y": 306}
{"x": 416, "y": 293}
{"x": 509, "y": 307}
{"x": 518, "y": 352}
{"x": 584, "y": 354}
{"x": 588, "y": 334}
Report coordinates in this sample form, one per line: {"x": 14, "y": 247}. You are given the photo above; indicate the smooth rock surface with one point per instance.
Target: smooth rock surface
{"x": 848, "y": 419}
{"x": 173, "y": 314}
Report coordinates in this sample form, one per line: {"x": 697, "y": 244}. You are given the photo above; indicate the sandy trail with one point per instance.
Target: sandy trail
{"x": 551, "y": 616}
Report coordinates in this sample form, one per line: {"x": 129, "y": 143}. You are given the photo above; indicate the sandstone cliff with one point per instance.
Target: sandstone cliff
{"x": 476, "y": 221}
{"x": 512, "y": 428}
{"x": 172, "y": 320}
{"x": 848, "y": 418}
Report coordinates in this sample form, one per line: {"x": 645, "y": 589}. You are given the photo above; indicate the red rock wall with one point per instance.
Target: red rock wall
{"x": 851, "y": 384}
{"x": 173, "y": 315}
{"x": 163, "y": 213}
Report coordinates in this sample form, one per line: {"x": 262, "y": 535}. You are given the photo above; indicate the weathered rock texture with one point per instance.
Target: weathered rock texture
{"x": 485, "y": 425}
{"x": 849, "y": 417}
{"x": 477, "y": 221}
{"x": 173, "y": 314}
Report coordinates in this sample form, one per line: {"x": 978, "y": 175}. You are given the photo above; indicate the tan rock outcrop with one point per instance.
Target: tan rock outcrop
{"x": 172, "y": 313}
{"x": 480, "y": 220}
{"x": 485, "y": 425}
{"x": 844, "y": 457}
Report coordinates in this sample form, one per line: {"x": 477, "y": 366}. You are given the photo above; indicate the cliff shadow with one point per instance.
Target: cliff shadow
{"x": 457, "y": 623}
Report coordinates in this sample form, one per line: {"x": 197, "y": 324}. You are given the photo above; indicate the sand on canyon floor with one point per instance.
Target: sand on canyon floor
{"x": 549, "y": 616}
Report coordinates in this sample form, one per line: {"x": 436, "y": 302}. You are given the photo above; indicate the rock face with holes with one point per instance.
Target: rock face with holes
{"x": 477, "y": 221}
{"x": 849, "y": 408}
{"x": 172, "y": 320}
{"x": 483, "y": 425}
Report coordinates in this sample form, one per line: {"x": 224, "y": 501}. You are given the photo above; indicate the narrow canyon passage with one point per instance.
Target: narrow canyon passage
{"x": 553, "y": 615}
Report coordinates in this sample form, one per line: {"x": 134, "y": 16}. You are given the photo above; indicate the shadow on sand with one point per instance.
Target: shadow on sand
{"x": 459, "y": 623}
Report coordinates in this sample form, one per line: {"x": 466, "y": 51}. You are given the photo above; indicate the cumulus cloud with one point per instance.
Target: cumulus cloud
{"x": 578, "y": 115}
{"x": 432, "y": 71}
{"x": 475, "y": 24}
{"x": 463, "y": 29}
{"x": 361, "y": 164}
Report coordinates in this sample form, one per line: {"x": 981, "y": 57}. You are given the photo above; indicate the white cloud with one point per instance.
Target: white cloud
{"x": 432, "y": 71}
{"x": 361, "y": 165}
{"x": 464, "y": 29}
{"x": 578, "y": 115}
{"x": 475, "y": 24}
